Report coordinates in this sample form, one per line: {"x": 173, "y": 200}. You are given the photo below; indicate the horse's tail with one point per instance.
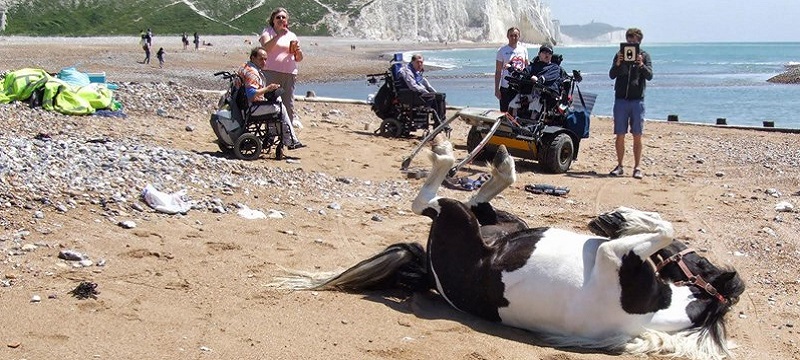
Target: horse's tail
{"x": 401, "y": 265}
{"x": 702, "y": 343}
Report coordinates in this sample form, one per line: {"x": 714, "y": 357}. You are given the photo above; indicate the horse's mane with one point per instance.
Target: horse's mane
{"x": 730, "y": 285}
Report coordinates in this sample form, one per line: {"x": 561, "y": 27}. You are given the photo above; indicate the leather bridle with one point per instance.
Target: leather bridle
{"x": 691, "y": 279}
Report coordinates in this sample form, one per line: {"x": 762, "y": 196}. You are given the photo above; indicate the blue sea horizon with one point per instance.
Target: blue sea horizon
{"x": 698, "y": 82}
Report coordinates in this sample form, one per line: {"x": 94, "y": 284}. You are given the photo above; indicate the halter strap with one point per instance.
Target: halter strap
{"x": 691, "y": 279}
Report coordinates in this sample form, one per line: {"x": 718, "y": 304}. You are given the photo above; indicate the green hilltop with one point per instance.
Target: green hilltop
{"x": 207, "y": 17}
{"x": 128, "y": 17}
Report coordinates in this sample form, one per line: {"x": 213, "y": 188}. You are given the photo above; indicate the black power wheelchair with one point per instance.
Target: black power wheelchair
{"x": 402, "y": 110}
{"x": 240, "y": 131}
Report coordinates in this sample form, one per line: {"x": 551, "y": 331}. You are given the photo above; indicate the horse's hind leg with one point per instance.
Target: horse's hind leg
{"x": 503, "y": 175}
{"x": 442, "y": 159}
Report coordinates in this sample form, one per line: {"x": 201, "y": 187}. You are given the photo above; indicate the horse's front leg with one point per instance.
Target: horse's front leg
{"x": 641, "y": 233}
{"x": 621, "y": 264}
{"x": 503, "y": 175}
{"x": 442, "y": 159}
{"x": 620, "y": 274}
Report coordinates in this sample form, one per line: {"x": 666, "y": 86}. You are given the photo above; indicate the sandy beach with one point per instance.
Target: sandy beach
{"x": 195, "y": 286}
{"x": 121, "y": 57}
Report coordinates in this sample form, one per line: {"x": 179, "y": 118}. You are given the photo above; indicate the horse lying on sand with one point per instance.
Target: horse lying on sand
{"x": 633, "y": 289}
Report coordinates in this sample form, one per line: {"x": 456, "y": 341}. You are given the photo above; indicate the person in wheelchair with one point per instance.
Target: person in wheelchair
{"x": 265, "y": 96}
{"x": 412, "y": 79}
{"x": 548, "y": 73}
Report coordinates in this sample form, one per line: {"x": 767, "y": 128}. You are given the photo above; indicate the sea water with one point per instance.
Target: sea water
{"x": 699, "y": 82}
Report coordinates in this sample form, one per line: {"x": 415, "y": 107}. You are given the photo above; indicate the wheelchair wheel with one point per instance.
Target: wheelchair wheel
{"x": 557, "y": 155}
{"x": 390, "y": 127}
{"x": 247, "y": 147}
{"x": 474, "y": 138}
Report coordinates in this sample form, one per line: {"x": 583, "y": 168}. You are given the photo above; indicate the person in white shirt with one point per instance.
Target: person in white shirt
{"x": 511, "y": 55}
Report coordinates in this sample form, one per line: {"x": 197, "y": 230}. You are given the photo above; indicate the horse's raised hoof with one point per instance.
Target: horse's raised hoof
{"x": 607, "y": 225}
{"x": 441, "y": 146}
{"x": 503, "y": 163}
{"x": 500, "y": 156}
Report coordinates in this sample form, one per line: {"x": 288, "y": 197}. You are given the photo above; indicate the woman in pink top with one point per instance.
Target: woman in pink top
{"x": 282, "y": 56}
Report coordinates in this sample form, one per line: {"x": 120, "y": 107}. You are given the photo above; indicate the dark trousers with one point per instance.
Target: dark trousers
{"x": 506, "y": 95}
{"x": 437, "y": 102}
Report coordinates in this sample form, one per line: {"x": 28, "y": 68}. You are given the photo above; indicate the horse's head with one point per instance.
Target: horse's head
{"x": 716, "y": 288}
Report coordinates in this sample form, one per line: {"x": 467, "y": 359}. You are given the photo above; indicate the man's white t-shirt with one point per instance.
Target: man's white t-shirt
{"x": 517, "y": 57}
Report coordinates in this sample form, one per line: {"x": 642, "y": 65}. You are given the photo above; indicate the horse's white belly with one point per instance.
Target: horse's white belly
{"x": 555, "y": 291}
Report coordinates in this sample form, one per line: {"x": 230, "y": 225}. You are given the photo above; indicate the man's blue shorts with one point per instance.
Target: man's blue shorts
{"x": 628, "y": 113}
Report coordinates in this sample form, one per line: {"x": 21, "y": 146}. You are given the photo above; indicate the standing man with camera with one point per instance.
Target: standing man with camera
{"x": 631, "y": 73}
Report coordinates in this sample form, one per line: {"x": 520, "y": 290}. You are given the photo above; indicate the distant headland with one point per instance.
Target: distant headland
{"x": 591, "y": 33}
{"x": 790, "y": 76}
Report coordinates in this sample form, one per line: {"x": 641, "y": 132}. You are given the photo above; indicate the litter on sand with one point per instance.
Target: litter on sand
{"x": 166, "y": 203}
{"x": 250, "y": 214}
{"x": 547, "y": 189}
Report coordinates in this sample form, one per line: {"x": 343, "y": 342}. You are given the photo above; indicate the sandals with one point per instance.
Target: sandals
{"x": 637, "y": 173}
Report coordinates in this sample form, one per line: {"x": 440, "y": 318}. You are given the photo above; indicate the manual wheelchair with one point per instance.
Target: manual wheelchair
{"x": 240, "y": 131}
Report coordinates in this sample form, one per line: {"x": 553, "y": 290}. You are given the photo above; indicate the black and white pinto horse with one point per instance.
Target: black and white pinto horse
{"x": 633, "y": 290}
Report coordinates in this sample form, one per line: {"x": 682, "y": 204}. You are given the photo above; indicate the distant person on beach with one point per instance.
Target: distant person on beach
{"x": 146, "y": 48}
{"x": 185, "y": 41}
{"x": 413, "y": 79}
{"x": 284, "y": 53}
{"x": 257, "y": 86}
{"x": 147, "y": 44}
{"x": 630, "y": 80}
{"x": 196, "y": 40}
{"x": 160, "y": 56}
{"x": 511, "y": 55}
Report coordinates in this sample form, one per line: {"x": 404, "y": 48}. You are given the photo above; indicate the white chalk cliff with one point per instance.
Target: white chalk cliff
{"x": 445, "y": 20}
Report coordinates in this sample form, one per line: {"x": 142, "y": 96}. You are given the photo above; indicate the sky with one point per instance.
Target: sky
{"x": 689, "y": 20}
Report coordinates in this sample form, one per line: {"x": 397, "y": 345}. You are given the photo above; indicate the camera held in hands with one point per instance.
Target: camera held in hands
{"x": 630, "y": 52}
